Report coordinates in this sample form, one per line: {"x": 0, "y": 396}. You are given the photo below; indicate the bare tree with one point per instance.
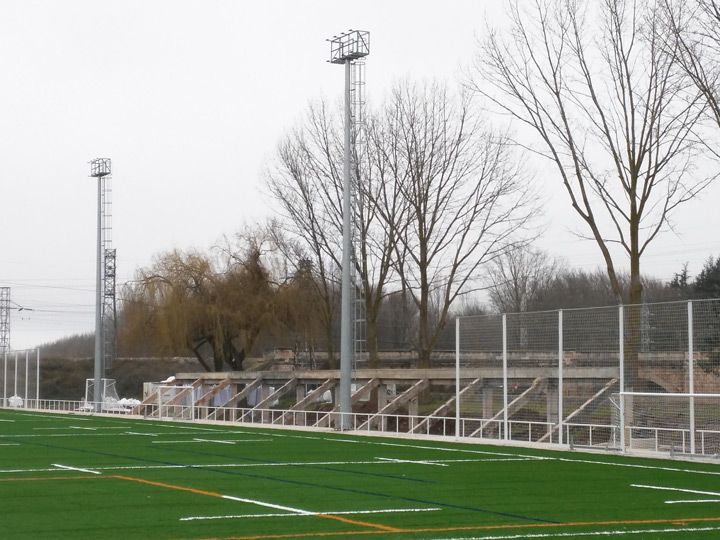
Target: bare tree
{"x": 519, "y": 277}
{"x": 693, "y": 31}
{"x": 610, "y": 110}
{"x": 464, "y": 195}
{"x": 307, "y": 181}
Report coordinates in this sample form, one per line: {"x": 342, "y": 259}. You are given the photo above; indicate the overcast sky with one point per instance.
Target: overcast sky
{"x": 189, "y": 100}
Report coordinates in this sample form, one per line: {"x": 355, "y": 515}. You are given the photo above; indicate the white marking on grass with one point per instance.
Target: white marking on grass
{"x": 50, "y": 417}
{"x": 416, "y": 462}
{"x": 79, "y": 469}
{"x": 681, "y": 490}
{"x": 94, "y": 434}
{"x": 10, "y": 444}
{"x": 343, "y": 513}
{"x": 4, "y": 420}
{"x": 247, "y": 465}
{"x": 256, "y": 502}
{"x": 58, "y": 428}
{"x": 186, "y": 441}
{"x": 611, "y": 532}
{"x": 214, "y": 441}
{"x": 698, "y": 501}
{"x": 636, "y": 466}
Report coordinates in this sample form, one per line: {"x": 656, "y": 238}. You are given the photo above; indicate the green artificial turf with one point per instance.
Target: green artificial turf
{"x": 72, "y": 476}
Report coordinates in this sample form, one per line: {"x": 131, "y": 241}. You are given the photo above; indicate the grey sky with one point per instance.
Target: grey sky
{"x": 189, "y": 100}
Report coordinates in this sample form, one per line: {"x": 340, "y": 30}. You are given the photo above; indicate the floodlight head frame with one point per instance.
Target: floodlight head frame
{"x": 349, "y": 46}
{"x": 100, "y": 167}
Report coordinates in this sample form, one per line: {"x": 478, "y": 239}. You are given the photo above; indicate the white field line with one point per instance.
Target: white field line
{"x": 413, "y": 446}
{"x": 94, "y": 434}
{"x": 79, "y": 469}
{"x": 637, "y": 466}
{"x": 3, "y": 420}
{"x": 245, "y": 465}
{"x": 416, "y": 462}
{"x": 681, "y": 490}
{"x": 524, "y": 456}
{"x": 10, "y": 444}
{"x": 296, "y": 511}
{"x": 214, "y": 441}
{"x": 77, "y": 427}
{"x": 50, "y": 417}
{"x": 698, "y": 501}
{"x": 186, "y": 441}
{"x": 343, "y": 513}
{"x": 611, "y": 532}
{"x": 146, "y": 423}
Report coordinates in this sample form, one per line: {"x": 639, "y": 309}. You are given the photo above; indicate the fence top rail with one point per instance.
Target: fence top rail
{"x": 668, "y": 394}
{"x": 589, "y": 308}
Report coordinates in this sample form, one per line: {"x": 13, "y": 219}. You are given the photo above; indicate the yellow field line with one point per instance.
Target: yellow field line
{"x": 678, "y": 521}
{"x": 378, "y": 526}
{"x": 39, "y": 478}
{"x": 168, "y": 486}
{"x": 383, "y": 528}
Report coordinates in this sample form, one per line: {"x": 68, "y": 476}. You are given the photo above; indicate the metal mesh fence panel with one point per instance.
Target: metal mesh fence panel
{"x": 533, "y": 383}
{"x": 674, "y": 422}
{"x": 591, "y": 375}
{"x": 644, "y": 376}
{"x": 706, "y": 346}
{"x": 481, "y": 383}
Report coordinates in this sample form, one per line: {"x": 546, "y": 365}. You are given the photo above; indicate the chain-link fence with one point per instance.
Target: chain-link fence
{"x": 642, "y": 377}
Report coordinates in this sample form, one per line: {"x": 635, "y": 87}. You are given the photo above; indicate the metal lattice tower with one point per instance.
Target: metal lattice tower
{"x": 4, "y": 321}
{"x": 100, "y": 168}
{"x": 109, "y": 312}
{"x": 347, "y": 49}
{"x": 357, "y": 114}
{"x": 109, "y": 304}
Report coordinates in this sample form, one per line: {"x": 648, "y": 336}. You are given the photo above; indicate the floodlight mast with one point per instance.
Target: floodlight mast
{"x": 99, "y": 168}
{"x": 345, "y": 49}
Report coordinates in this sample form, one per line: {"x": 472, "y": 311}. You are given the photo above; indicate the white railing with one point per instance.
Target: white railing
{"x": 602, "y": 436}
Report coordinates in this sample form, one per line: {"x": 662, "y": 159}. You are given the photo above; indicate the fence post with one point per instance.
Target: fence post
{"x": 15, "y": 382}
{"x": 27, "y": 376}
{"x": 5, "y": 379}
{"x": 560, "y": 376}
{"x": 37, "y": 381}
{"x": 621, "y": 358}
{"x": 457, "y": 378}
{"x": 691, "y": 376}
{"x": 506, "y": 434}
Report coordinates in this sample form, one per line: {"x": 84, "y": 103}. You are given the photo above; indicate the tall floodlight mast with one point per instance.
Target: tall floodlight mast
{"x": 100, "y": 169}
{"x": 346, "y": 49}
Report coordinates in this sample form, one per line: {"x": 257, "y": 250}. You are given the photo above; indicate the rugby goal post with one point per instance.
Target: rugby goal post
{"x": 682, "y": 423}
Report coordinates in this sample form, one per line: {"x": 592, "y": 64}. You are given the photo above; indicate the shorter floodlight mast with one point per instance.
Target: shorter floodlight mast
{"x": 346, "y": 49}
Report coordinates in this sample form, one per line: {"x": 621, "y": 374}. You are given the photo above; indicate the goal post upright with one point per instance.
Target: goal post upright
{"x": 691, "y": 375}
{"x": 621, "y": 362}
